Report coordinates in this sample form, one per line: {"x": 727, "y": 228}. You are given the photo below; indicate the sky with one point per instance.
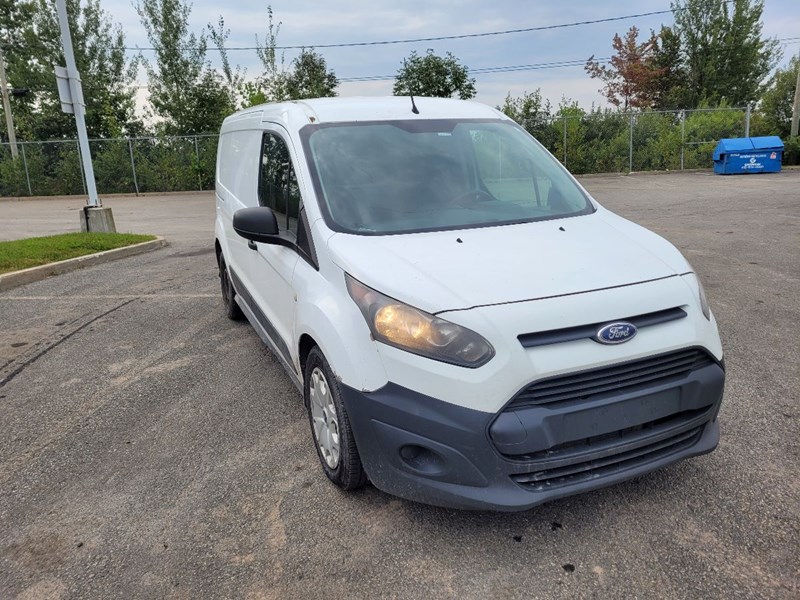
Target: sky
{"x": 312, "y": 23}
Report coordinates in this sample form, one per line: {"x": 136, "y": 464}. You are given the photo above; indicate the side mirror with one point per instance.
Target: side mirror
{"x": 257, "y": 224}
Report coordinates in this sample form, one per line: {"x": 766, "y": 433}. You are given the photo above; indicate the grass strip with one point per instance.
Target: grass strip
{"x": 32, "y": 252}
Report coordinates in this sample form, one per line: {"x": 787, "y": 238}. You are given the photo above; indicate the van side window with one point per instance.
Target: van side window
{"x": 278, "y": 187}
{"x": 237, "y": 161}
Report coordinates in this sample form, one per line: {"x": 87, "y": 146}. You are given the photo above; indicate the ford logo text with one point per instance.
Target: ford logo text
{"x": 615, "y": 333}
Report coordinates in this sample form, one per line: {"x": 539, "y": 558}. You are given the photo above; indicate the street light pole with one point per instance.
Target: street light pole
{"x": 94, "y": 217}
{"x": 77, "y": 102}
{"x": 12, "y": 136}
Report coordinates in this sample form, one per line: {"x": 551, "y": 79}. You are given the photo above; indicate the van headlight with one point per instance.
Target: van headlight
{"x": 408, "y": 328}
{"x": 701, "y": 293}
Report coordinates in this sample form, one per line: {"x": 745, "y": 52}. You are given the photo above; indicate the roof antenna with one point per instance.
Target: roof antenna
{"x": 414, "y": 108}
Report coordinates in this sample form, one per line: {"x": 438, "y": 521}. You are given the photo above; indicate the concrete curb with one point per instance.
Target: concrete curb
{"x": 25, "y": 276}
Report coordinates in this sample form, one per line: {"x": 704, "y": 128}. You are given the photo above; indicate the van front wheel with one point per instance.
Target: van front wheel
{"x": 330, "y": 425}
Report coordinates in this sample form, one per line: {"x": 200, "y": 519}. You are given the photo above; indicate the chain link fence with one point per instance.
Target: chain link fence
{"x": 643, "y": 141}
{"x": 121, "y": 166}
{"x": 587, "y": 143}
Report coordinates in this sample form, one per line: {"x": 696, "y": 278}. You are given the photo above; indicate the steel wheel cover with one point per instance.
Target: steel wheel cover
{"x": 324, "y": 420}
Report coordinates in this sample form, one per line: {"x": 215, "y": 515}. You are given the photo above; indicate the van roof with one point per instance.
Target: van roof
{"x": 380, "y": 108}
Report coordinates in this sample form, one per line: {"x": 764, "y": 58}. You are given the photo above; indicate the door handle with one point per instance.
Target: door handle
{"x": 252, "y": 245}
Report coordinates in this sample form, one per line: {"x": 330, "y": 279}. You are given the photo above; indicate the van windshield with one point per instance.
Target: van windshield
{"x": 410, "y": 176}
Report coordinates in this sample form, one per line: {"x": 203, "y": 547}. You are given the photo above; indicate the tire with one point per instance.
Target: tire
{"x": 232, "y": 310}
{"x": 329, "y": 422}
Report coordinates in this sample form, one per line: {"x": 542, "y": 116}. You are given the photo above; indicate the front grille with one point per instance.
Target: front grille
{"x": 608, "y": 464}
{"x": 639, "y": 374}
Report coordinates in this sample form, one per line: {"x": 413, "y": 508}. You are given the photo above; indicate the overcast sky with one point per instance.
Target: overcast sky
{"x": 308, "y": 22}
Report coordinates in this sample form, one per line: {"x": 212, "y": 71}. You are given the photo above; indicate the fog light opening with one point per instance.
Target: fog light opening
{"x": 422, "y": 460}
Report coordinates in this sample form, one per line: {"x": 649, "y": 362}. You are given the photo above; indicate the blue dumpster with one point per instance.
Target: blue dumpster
{"x": 736, "y": 156}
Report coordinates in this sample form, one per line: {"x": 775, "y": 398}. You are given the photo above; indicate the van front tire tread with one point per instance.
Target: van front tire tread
{"x": 349, "y": 474}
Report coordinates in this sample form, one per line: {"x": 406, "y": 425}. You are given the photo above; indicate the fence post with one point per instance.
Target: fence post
{"x": 683, "y": 136}
{"x": 565, "y": 140}
{"x": 133, "y": 167}
{"x": 747, "y": 121}
{"x": 630, "y": 148}
{"x": 25, "y": 164}
{"x": 197, "y": 156}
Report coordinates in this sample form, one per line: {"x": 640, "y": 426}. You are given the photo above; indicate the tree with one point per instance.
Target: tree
{"x": 533, "y": 114}
{"x": 16, "y": 19}
{"x": 233, "y": 77}
{"x": 629, "y": 81}
{"x": 435, "y": 76}
{"x": 776, "y": 103}
{"x": 669, "y": 89}
{"x": 33, "y": 46}
{"x": 722, "y": 50}
{"x": 310, "y": 77}
{"x": 307, "y": 77}
{"x": 528, "y": 110}
{"x": 184, "y": 91}
{"x": 270, "y": 84}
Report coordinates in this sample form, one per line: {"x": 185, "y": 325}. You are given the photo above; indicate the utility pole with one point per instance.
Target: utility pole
{"x": 796, "y": 106}
{"x": 93, "y": 217}
{"x": 12, "y": 136}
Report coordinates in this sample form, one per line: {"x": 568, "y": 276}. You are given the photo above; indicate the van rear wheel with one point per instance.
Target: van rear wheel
{"x": 330, "y": 425}
{"x": 232, "y": 309}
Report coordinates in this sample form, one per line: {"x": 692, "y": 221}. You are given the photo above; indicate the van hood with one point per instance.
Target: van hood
{"x": 467, "y": 268}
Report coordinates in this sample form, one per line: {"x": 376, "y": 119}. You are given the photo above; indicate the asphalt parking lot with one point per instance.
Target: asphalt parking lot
{"x": 149, "y": 447}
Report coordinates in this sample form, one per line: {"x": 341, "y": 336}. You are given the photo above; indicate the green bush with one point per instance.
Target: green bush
{"x": 657, "y": 142}
{"x": 112, "y": 166}
{"x": 791, "y": 151}
{"x": 60, "y": 168}
{"x": 704, "y": 129}
{"x": 166, "y": 164}
{"x": 12, "y": 174}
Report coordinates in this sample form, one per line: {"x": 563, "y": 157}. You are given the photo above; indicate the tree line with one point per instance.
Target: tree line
{"x": 714, "y": 54}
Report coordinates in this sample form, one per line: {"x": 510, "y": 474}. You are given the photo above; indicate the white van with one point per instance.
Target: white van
{"x": 467, "y": 325}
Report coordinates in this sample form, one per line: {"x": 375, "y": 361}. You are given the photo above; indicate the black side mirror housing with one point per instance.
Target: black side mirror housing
{"x": 257, "y": 224}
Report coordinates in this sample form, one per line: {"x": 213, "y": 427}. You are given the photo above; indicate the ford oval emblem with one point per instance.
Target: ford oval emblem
{"x": 615, "y": 333}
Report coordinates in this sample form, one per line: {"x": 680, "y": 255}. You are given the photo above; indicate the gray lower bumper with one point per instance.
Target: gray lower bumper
{"x": 430, "y": 451}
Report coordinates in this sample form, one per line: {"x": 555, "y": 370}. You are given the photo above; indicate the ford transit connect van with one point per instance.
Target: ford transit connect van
{"x": 467, "y": 325}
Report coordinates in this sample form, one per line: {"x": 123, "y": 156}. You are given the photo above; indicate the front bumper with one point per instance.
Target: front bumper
{"x": 423, "y": 449}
